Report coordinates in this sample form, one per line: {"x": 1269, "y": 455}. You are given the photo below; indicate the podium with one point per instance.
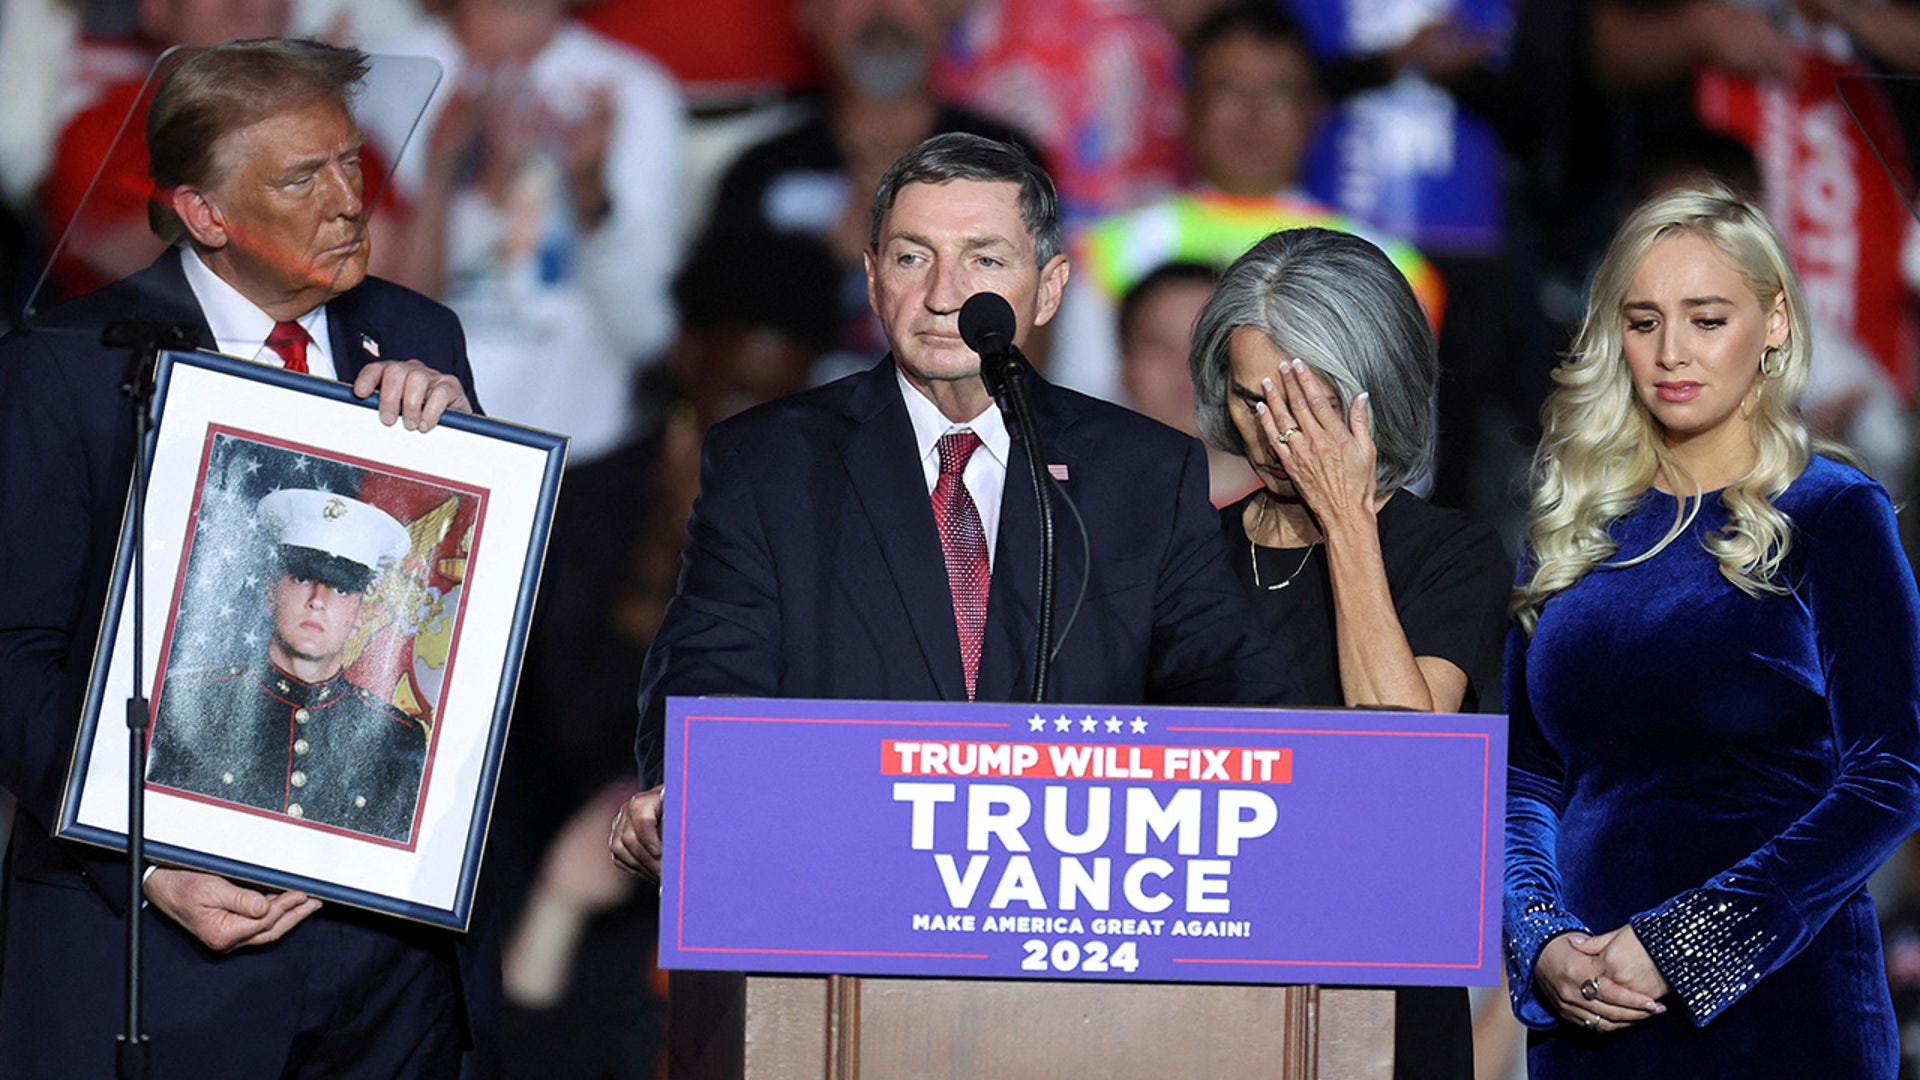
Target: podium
{"x": 985, "y": 891}
{"x": 727, "y": 1026}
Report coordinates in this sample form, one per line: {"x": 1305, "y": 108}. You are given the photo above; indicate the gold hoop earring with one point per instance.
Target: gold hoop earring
{"x": 1767, "y": 367}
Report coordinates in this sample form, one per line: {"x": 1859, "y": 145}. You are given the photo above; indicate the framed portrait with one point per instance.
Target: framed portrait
{"x": 333, "y": 619}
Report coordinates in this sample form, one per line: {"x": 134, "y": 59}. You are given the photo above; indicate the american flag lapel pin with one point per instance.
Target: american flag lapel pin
{"x": 1059, "y": 472}
{"x": 372, "y": 346}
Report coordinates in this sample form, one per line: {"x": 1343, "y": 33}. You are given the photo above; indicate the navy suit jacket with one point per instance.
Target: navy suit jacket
{"x": 815, "y": 569}
{"x": 66, "y": 459}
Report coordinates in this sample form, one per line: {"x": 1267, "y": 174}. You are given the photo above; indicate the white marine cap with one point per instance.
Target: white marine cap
{"x": 335, "y": 525}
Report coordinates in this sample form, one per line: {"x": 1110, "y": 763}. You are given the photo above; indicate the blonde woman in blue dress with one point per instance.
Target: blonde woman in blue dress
{"x": 1714, "y": 684}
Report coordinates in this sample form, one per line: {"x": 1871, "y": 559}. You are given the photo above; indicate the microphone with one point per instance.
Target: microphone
{"x": 986, "y": 325}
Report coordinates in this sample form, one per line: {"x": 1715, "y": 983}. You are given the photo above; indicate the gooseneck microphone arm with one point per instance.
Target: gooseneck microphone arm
{"x": 987, "y": 325}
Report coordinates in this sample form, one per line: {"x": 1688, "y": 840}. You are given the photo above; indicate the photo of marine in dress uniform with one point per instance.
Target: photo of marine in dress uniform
{"x": 288, "y": 732}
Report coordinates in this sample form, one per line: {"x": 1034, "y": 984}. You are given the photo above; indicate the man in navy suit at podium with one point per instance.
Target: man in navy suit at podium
{"x": 255, "y": 160}
{"x": 876, "y": 537}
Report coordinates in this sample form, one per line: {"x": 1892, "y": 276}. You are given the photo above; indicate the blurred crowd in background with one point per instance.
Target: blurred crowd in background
{"x": 651, "y": 214}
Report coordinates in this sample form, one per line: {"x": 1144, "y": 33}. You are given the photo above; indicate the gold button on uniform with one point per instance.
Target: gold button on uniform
{"x": 300, "y": 746}
{"x": 298, "y": 779}
{"x": 295, "y": 811}
{"x": 226, "y": 778}
{"x": 359, "y": 800}
{"x": 300, "y": 716}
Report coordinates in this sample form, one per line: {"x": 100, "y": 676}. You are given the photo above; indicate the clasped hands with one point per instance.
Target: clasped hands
{"x": 497, "y": 122}
{"x": 1602, "y": 982}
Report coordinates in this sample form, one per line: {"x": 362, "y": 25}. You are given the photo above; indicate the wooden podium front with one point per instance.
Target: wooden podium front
{"x": 727, "y": 1026}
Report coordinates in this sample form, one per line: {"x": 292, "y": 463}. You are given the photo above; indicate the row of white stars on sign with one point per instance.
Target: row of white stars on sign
{"x": 1087, "y": 723}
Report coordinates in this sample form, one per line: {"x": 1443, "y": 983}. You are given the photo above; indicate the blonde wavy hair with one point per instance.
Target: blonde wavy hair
{"x": 1600, "y": 449}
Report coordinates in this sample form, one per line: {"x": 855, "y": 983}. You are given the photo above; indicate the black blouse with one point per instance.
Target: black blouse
{"x": 1448, "y": 575}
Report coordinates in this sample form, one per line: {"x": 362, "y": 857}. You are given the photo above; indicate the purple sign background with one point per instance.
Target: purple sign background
{"x": 1261, "y": 846}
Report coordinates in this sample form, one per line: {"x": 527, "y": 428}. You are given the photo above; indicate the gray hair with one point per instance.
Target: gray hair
{"x": 957, "y": 155}
{"x": 222, "y": 89}
{"x": 1336, "y": 301}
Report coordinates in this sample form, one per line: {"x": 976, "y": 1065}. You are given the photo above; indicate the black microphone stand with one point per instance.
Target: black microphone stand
{"x": 1005, "y": 372}
{"x": 144, "y": 342}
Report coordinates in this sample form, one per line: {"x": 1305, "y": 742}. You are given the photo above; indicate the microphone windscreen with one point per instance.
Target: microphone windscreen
{"x": 986, "y": 322}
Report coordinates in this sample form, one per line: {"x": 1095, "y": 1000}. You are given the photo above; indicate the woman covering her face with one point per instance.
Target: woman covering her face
{"x": 1314, "y": 361}
{"x": 1714, "y": 685}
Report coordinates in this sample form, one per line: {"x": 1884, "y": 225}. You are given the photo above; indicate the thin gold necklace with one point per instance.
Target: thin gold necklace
{"x": 1253, "y": 553}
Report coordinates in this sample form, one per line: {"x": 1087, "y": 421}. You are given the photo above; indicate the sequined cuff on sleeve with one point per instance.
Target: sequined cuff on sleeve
{"x": 1709, "y": 943}
{"x": 1529, "y": 927}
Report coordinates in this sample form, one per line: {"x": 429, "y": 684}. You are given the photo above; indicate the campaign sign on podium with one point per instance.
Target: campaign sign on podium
{"x": 1157, "y": 844}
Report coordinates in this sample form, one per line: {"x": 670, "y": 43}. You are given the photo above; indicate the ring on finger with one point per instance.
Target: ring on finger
{"x": 1593, "y": 1023}
{"x": 1289, "y": 433}
{"x": 1590, "y": 989}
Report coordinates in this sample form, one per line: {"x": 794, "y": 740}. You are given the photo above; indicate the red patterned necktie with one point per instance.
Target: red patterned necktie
{"x": 964, "y": 540}
{"x": 289, "y": 340}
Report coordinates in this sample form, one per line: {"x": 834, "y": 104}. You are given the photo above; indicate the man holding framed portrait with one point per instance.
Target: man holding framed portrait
{"x": 255, "y": 159}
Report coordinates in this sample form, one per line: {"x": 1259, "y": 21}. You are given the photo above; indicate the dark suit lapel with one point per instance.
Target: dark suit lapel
{"x": 891, "y": 489}
{"x": 350, "y": 336}
{"x": 162, "y": 295}
{"x": 1006, "y": 660}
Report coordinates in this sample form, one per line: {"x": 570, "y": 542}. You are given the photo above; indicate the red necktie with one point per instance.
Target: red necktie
{"x": 964, "y": 541}
{"x": 289, "y": 339}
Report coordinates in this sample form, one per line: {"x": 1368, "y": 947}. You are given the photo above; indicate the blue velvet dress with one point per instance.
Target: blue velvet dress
{"x": 1724, "y": 772}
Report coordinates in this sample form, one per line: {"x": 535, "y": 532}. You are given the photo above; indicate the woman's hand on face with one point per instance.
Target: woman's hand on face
{"x": 1578, "y": 985}
{"x": 1329, "y": 458}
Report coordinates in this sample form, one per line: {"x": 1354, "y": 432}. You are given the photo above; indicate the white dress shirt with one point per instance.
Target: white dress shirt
{"x": 240, "y": 328}
{"x": 985, "y": 474}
